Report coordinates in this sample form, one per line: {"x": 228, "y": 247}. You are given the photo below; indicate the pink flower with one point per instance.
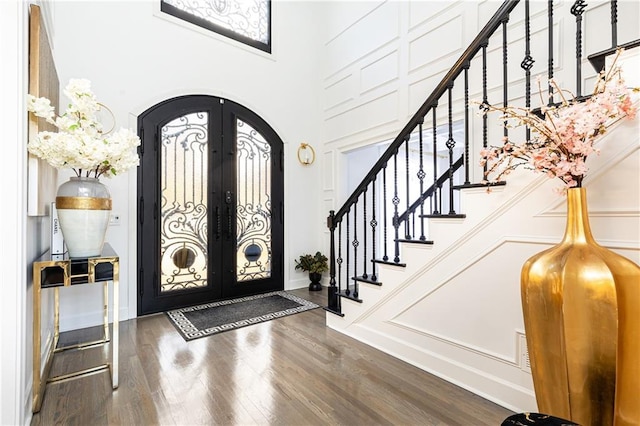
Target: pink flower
{"x": 562, "y": 140}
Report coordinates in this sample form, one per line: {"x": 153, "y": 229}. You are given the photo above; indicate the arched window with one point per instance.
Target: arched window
{"x": 247, "y": 21}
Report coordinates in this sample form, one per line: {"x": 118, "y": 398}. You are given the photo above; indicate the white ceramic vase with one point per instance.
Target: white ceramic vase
{"x": 84, "y": 206}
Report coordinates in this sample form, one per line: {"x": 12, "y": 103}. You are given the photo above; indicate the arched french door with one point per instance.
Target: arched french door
{"x": 210, "y": 204}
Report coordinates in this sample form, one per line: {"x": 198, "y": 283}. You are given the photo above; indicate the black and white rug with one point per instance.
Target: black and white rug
{"x": 211, "y": 318}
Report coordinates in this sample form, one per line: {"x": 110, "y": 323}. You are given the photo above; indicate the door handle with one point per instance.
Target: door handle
{"x": 228, "y": 198}
{"x": 218, "y": 223}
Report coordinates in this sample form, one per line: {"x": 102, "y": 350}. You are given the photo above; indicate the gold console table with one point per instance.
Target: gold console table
{"x": 55, "y": 271}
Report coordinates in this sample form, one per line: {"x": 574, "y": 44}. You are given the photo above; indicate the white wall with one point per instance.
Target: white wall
{"x": 455, "y": 309}
{"x": 136, "y": 57}
{"x": 12, "y": 220}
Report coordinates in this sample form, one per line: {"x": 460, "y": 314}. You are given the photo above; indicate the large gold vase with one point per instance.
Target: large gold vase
{"x": 576, "y": 326}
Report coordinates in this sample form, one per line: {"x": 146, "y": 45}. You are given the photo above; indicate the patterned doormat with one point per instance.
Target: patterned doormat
{"x": 211, "y": 318}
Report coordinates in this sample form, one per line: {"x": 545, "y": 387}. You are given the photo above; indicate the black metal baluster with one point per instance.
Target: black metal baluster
{"x": 435, "y": 209}
{"x": 407, "y": 233}
{"x": 373, "y": 224}
{"x": 450, "y": 145}
{"x": 364, "y": 232}
{"x": 413, "y": 224}
{"x": 355, "y": 245}
{"x": 614, "y": 23}
{"x": 385, "y": 257}
{"x": 466, "y": 124}
{"x": 577, "y": 10}
{"x": 339, "y": 260}
{"x": 421, "y": 175}
{"x": 527, "y": 62}
{"x": 395, "y": 200}
{"x": 485, "y": 99}
{"x": 332, "y": 296}
{"x": 347, "y": 278}
{"x": 505, "y": 78}
{"x": 550, "y": 65}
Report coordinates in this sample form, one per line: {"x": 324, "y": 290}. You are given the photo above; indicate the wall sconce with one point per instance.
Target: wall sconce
{"x": 306, "y": 154}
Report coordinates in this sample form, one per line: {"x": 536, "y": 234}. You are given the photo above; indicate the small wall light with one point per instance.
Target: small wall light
{"x": 306, "y": 154}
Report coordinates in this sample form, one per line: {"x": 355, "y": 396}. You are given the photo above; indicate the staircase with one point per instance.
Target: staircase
{"x": 417, "y": 252}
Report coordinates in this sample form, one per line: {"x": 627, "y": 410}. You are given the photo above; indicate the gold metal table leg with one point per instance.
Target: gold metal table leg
{"x": 116, "y": 324}
{"x": 105, "y": 316}
{"x": 37, "y": 398}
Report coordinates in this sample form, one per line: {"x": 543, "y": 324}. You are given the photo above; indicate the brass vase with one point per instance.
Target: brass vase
{"x": 571, "y": 321}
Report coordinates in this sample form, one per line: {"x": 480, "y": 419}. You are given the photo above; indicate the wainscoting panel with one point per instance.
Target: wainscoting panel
{"x": 425, "y": 12}
{"x": 379, "y": 72}
{"x": 340, "y": 92}
{"x": 344, "y": 15}
{"x": 447, "y": 36}
{"x": 462, "y": 306}
{"x": 328, "y": 167}
{"x": 380, "y": 27}
{"x": 375, "y": 113}
{"x": 599, "y": 15}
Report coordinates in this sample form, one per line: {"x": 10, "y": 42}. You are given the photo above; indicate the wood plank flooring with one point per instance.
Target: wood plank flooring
{"x": 289, "y": 371}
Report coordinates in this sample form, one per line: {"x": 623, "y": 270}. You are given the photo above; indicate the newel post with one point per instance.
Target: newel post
{"x": 332, "y": 302}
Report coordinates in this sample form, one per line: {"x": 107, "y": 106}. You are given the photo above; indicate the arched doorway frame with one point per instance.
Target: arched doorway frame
{"x": 231, "y": 111}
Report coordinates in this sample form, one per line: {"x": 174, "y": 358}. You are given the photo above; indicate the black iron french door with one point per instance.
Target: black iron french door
{"x": 210, "y": 204}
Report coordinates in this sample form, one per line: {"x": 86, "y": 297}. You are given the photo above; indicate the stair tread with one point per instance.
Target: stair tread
{"x": 349, "y": 296}
{"x": 326, "y": 308}
{"x": 415, "y": 241}
{"x": 366, "y": 280}
{"x": 390, "y": 262}
{"x": 479, "y": 185}
{"x": 598, "y": 59}
{"x": 444, "y": 216}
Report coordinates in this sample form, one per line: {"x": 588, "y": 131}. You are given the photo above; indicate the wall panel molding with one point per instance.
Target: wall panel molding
{"x": 339, "y": 92}
{"x": 447, "y": 36}
{"x": 379, "y": 72}
{"x": 340, "y": 52}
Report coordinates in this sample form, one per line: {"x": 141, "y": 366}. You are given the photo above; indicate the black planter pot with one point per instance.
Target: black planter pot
{"x": 315, "y": 278}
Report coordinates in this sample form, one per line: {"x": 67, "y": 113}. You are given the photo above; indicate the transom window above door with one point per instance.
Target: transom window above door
{"x": 246, "y": 21}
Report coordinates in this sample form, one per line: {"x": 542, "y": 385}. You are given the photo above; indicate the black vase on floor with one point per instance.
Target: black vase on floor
{"x": 315, "y": 278}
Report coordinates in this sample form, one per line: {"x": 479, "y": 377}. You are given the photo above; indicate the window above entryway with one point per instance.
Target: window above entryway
{"x": 247, "y": 21}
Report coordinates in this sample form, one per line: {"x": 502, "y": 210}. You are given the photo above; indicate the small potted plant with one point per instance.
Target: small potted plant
{"x": 315, "y": 265}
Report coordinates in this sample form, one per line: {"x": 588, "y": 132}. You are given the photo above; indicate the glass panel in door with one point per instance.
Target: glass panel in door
{"x": 183, "y": 207}
{"x": 253, "y": 204}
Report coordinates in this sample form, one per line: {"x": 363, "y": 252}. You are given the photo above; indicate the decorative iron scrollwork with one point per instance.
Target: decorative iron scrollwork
{"x": 253, "y": 204}
{"x": 183, "y": 210}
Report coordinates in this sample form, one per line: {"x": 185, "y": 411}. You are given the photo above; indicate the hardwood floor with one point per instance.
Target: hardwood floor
{"x": 289, "y": 371}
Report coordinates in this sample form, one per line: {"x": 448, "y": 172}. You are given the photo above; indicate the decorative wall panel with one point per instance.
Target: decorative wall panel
{"x": 343, "y": 15}
{"x": 379, "y": 72}
{"x": 375, "y": 113}
{"x": 423, "y": 11}
{"x": 340, "y": 51}
{"x": 339, "y": 92}
{"x": 448, "y": 37}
